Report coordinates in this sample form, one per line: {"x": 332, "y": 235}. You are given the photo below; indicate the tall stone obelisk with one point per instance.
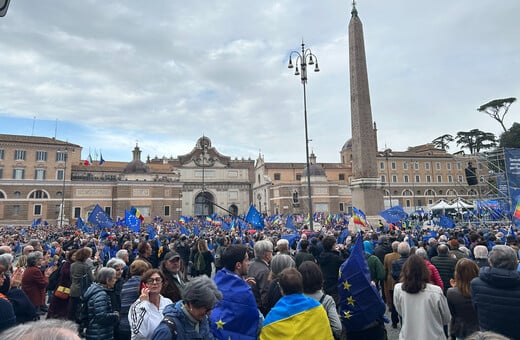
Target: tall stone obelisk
{"x": 367, "y": 193}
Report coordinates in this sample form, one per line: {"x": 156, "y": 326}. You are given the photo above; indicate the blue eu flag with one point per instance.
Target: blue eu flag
{"x": 359, "y": 301}
{"x": 254, "y": 218}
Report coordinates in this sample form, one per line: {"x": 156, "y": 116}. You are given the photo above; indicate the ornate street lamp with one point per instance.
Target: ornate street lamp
{"x": 304, "y": 58}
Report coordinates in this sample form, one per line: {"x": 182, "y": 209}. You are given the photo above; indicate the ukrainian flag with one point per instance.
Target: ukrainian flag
{"x": 296, "y": 316}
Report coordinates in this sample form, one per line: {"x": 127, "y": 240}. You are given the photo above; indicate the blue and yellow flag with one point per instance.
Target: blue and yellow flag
{"x": 236, "y": 315}
{"x": 296, "y": 316}
{"x": 359, "y": 301}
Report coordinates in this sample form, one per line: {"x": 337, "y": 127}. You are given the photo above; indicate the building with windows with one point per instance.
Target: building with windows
{"x": 39, "y": 175}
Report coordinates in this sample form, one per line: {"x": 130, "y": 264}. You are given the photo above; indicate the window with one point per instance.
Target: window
{"x": 427, "y": 165}
{"x": 41, "y": 156}
{"x": 17, "y": 194}
{"x": 341, "y": 177}
{"x": 1, "y": 173}
{"x": 405, "y": 166}
{"x": 277, "y": 176}
{"x": 450, "y": 179}
{"x": 59, "y": 194}
{"x": 417, "y": 179}
{"x": 167, "y": 209}
{"x": 108, "y": 210}
{"x": 37, "y": 209}
{"x": 60, "y": 174}
{"x": 298, "y": 177}
{"x": 406, "y": 178}
{"x": 383, "y": 178}
{"x": 39, "y": 174}
{"x": 19, "y": 155}
{"x": 77, "y": 212}
{"x": 459, "y": 166}
{"x": 394, "y": 179}
{"x": 18, "y": 173}
{"x": 428, "y": 179}
{"x": 394, "y": 166}
{"x": 16, "y": 210}
{"x": 61, "y": 156}
{"x": 341, "y": 206}
{"x": 38, "y": 194}
{"x": 2, "y": 196}
{"x": 295, "y": 197}
{"x": 407, "y": 202}
{"x": 438, "y": 165}
{"x": 2, "y": 152}
{"x": 459, "y": 178}
{"x": 439, "y": 178}
{"x": 416, "y": 165}
{"x": 381, "y": 165}
{"x": 448, "y": 166}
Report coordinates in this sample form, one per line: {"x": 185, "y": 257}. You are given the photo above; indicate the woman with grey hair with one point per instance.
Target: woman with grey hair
{"x": 34, "y": 281}
{"x": 190, "y": 315}
{"x": 115, "y": 293}
{"x": 278, "y": 263}
{"x": 100, "y": 314}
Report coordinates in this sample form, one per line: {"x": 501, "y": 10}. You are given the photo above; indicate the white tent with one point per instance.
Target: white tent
{"x": 441, "y": 205}
{"x": 460, "y": 204}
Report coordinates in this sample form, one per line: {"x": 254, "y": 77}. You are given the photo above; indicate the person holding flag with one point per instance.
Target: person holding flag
{"x": 236, "y": 315}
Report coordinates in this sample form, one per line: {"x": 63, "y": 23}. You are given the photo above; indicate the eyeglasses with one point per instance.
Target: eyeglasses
{"x": 154, "y": 280}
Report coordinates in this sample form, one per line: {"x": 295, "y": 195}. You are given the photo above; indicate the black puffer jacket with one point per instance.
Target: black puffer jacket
{"x": 330, "y": 261}
{"x": 496, "y": 296}
{"x": 101, "y": 317}
{"x": 445, "y": 264}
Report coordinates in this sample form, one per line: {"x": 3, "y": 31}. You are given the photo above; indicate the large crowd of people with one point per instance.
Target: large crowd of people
{"x": 196, "y": 280}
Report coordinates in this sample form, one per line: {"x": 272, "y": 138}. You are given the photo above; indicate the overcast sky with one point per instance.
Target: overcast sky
{"x": 107, "y": 74}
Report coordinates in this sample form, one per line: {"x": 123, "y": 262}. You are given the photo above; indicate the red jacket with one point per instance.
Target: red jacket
{"x": 435, "y": 277}
{"x": 34, "y": 284}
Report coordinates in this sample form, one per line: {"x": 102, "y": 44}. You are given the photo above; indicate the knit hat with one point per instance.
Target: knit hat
{"x": 7, "y": 317}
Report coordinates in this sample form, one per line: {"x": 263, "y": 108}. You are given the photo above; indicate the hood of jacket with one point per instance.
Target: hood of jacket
{"x": 500, "y": 278}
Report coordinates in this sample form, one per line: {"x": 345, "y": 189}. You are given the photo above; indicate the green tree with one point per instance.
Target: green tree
{"x": 441, "y": 142}
{"x": 497, "y": 109}
{"x": 475, "y": 140}
{"x": 511, "y": 138}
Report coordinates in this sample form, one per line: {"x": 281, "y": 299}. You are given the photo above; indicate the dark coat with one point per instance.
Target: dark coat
{"x": 330, "y": 261}
{"x": 101, "y": 317}
{"x": 464, "y": 319}
{"x": 34, "y": 284}
{"x": 23, "y": 308}
{"x": 58, "y": 308}
{"x": 185, "y": 329}
{"x": 260, "y": 271}
{"x": 172, "y": 288}
{"x": 496, "y": 297}
{"x": 129, "y": 294}
{"x": 445, "y": 264}
{"x": 397, "y": 267}
{"x": 77, "y": 270}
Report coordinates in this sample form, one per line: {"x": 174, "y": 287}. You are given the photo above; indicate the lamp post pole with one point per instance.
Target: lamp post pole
{"x": 304, "y": 58}
{"x": 62, "y": 208}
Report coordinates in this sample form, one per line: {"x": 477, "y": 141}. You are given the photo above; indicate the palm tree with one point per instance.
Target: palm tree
{"x": 442, "y": 141}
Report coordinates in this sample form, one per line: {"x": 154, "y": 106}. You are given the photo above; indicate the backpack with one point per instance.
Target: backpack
{"x": 218, "y": 256}
{"x": 171, "y": 325}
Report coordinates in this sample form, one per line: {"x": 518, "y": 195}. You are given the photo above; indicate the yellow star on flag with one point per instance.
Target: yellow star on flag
{"x": 220, "y": 324}
{"x": 347, "y": 315}
{"x": 350, "y": 300}
{"x": 346, "y": 285}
